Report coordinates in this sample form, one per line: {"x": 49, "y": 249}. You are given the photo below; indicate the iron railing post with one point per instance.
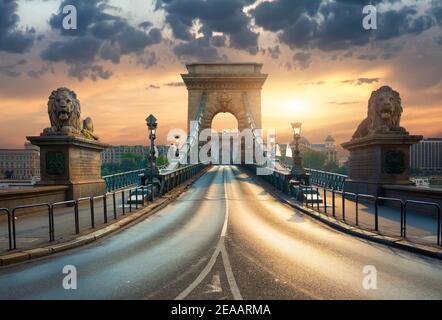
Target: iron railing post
{"x": 105, "y": 208}
{"x": 376, "y": 218}
{"x": 76, "y": 217}
{"x": 343, "y": 205}
{"x": 357, "y": 209}
{"x": 91, "y": 205}
{"x": 123, "y": 204}
{"x": 114, "y": 202}
{"x": 325, "y": 200}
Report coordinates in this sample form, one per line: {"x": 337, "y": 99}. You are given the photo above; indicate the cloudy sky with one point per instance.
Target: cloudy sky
{"x": 126, "y": 56}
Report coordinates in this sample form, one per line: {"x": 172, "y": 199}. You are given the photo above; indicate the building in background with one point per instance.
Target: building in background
{"x": 426, "y": 156}
{"x": 115, "y": 154}
{"x": 328, "y": 147}
{"x": 20, "y": 164}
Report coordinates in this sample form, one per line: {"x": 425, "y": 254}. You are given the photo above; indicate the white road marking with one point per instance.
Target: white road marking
{"x": 201, "y": 276}
{"x": 225, "y": 257}
{"x": 226, "y": 215}
{"x": 220, "y": 248}
{"x": 230, "y": 278}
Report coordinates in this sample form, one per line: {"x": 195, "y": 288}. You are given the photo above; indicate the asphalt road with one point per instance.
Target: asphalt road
{"x": 227, "y": 238}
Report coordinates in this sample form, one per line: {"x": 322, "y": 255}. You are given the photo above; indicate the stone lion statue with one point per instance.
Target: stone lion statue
{"x": 65, "y": 115}
{"x": 384, "y": 114}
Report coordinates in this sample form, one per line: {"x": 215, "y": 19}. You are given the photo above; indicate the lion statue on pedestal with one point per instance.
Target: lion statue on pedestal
{"x": 65, "y": 115}
{"x": 384, "y": 114}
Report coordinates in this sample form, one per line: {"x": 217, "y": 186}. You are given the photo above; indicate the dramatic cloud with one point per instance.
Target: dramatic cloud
{"x": 368, "y": 57}
{"x": 336, "y": 25}
{"x": 436, "y": 11}
{"x": 42, "y": 71}
{"x": 197, "y": 48}
{"x": 148, "y": 60}
{"x": 361, "y": 81}
{"x": 208, "y": 18}
{"x": 302, "y": 60}
{"x": 274, "y": 52}
{"x": 10, "y": 69}
{"x": 12, "y": 39}
{"x": 218, "y": 41}
{"x": 174, "y": 84}
{"x": 100, "y": 35}
{"x": 343, "y": 103}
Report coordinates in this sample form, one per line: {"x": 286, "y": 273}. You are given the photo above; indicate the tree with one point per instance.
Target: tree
{"x": 313, "y": 159}
{"x": 9, "y": 174}
{"x": 162, "y": 161}
{"x": 331, "y": 166}
{"x": 342, "y": 170}
{"x": 129, "y": 162}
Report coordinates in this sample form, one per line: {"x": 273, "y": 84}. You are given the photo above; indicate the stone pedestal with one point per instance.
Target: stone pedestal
{"x": 71, "y": 161}
{"x": 377, "y": 160}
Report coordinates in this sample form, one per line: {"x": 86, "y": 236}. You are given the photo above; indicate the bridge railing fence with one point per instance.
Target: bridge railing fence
{"x": 366, "y": 212}
{"x": 36, "y": 228}
{"x": 123, "y": 180}
{"x": 69, "y": 218}
{"x": 399, "y": 205}
{"x": 328, "y": 180}
{"x": 66, "y": 211}
{"x": 425, "y": 204}
{"x": 376, "y": 213}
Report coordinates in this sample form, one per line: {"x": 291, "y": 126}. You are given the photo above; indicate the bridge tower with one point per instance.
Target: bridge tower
{"x": 224, "y": 87}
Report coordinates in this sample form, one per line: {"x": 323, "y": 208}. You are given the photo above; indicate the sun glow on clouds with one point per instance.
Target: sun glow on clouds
{"x": 326, "y": 97}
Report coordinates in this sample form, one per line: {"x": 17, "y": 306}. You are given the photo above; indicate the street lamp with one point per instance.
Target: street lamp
{"x": 298, "y": 171}
{"x": 152, "y": 124}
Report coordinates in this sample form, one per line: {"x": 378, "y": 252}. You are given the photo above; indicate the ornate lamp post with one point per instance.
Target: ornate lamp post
{"x": 153, "y": 173}
{"x": 298, "y": 171}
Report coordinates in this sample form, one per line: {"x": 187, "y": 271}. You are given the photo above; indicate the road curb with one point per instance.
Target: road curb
{"x": 160, "y": 203}
{"x": 399, "y": 243}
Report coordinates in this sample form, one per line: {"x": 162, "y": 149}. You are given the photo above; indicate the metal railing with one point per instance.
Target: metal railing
{"x": 32, "y": 206}
{"x": 170, "y": 180}
{"x": 327, "y": 179}
{"x": 424, "y": 203}
{"x": 321, "y": 178}
{"x": 282, "y": 181}
{"x": 86, "y": 208}
{"x": 122, "y": 180}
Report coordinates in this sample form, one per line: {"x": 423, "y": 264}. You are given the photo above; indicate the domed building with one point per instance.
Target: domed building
{"x": 328, "y": 147}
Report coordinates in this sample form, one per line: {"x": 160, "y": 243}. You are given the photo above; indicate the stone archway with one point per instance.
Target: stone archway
{"x": 229, "y": 146}
{"x": 225, "y": 87}
{"x": 224, "y": 101}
